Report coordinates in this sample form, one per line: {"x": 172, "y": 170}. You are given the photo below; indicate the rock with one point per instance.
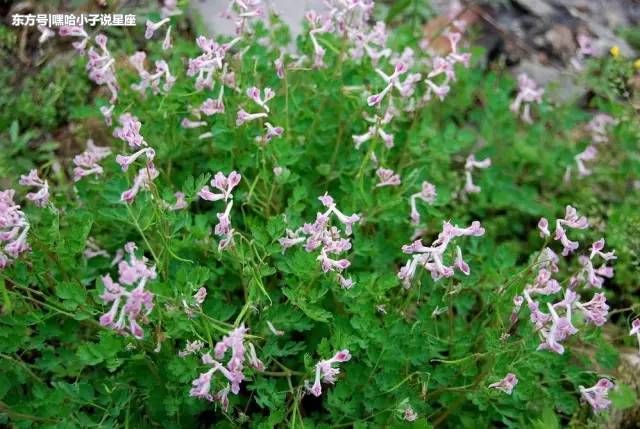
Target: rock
{"x": 562, "y": 42}
{"x": 537, "y": 7}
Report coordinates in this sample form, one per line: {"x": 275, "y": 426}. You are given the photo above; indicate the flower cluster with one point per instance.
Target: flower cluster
{"x": 136, "y": 303}
{"x": 195, "y": 303}
{"x": 225, "y": 185}
{"x": 101, "y": 66}
{"x": 78, "y": 32}
{"x": 556, "y": 325}
{"x": 387, "y": 177}
{"x": 373, "y": 42}
{"x": 143, "y": 179}
{"x": 13, "y": 229}
{"x": 181, "y": 202}
{"x": 151, "y": 27}
{"x": 204, "y": 66}
{"x": 597, "y": 395}
{"x": 41, "y": 197}
{"x": 589, "y": 275}
{"x": 597, "y": 127}
{"x": 319, "y": 24}
{"x": 242, "y": 12}
{"x": 322, "y": 235}
{"x": 129, "y": 131}
{"x": 261, "y": 98}
{"x": 87, "y": 163}
{"x": 506, "y": 384}
{"x": 528, "y": 92}
{"x": 446, "y": 66}
{"x": 232, "y": 371}
{"x": 151, "y": 80}
{"x": 404, "y": 88}
{"x": 427, "y": 194}
{"x": 192, "y": 347}
{"x": 571, "y": 220}
{"x": 325, "y": 372}
{"x": 432, "y": 258}
{"x": 470, "y": 165}
{"x": 409, "y": 414}
{"x": 376, "y": 129}
{"x": 125, "y": 161}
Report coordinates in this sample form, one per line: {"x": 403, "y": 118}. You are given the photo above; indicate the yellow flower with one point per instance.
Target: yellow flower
{"x": 615, "y": 51}
{"x": 636, "y": 64}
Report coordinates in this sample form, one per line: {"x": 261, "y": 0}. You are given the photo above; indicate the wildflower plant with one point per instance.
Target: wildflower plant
{"x": 354, "y": 228}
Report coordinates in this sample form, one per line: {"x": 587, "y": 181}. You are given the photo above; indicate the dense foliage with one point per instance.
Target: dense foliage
{"x": 242, "y": 224}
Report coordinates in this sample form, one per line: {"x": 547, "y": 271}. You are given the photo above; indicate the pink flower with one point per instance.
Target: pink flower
{"x": 409, "y": 414}
{"x": 376, "y": 129}
{"x": 126, "y": 161}
{"x": 506, "y": 384}
{"x": 166, "y": 43}
{"x": 129, "y": 131}
{"x": 41, "y": 197}
{"x": 192, "y": 347}
{"x": 181, "y": 202}
{"x": 635, "y": 327}
{"x": 392, "y": 81}
{"x": 152, "y": 27}
{"x": 200, "y": 296}
{"x": 242, "y": 12}
{"x": 211, "y": 107}
{"x": 232, "y": 371}
{"x": 93, "y": 250}
{"x": 187, "y": 123}
{"x": 271, "y": 132}
{"x": 225, "y": 185}
{"x": 325, "y": 372}
{"x": 151, "y": 80}
{"x": 431, "y": 258}
{"x": 387, "y": 177}
{"x": 571, "y": 220}
{"x": 561, "y": 327}
{"x": 319, "y": 25}
{"x": 543, "y": 227}
{"x": 321, "y": 234}
{"x": 596, "y": 310}
{"x": 222, "y": 183}
{"x": 87, "y": 162}
{"x": 428, "y": 194}
{"x": 596, "y": 250}
{"x": 243, "y": 117}
{"x": 597, "y": 395}
{"x": 143, "y": 180}
{"x": 261, "y": 100}
{"x": 585, "y": 45}
{"x": 135, "y": 301}
{"x": 528, "y": 93}
{"x": 279, "y": 65}
{"x": 107, "y": 114}
{"x": 543, "y": 284}
{"x": 598, "y": 127}
{"x": 14, "y": 228}
{"x": 470, "y": 165}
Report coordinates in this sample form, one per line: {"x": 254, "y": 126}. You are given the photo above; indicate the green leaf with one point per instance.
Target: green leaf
{"x": 623, "y": 397}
